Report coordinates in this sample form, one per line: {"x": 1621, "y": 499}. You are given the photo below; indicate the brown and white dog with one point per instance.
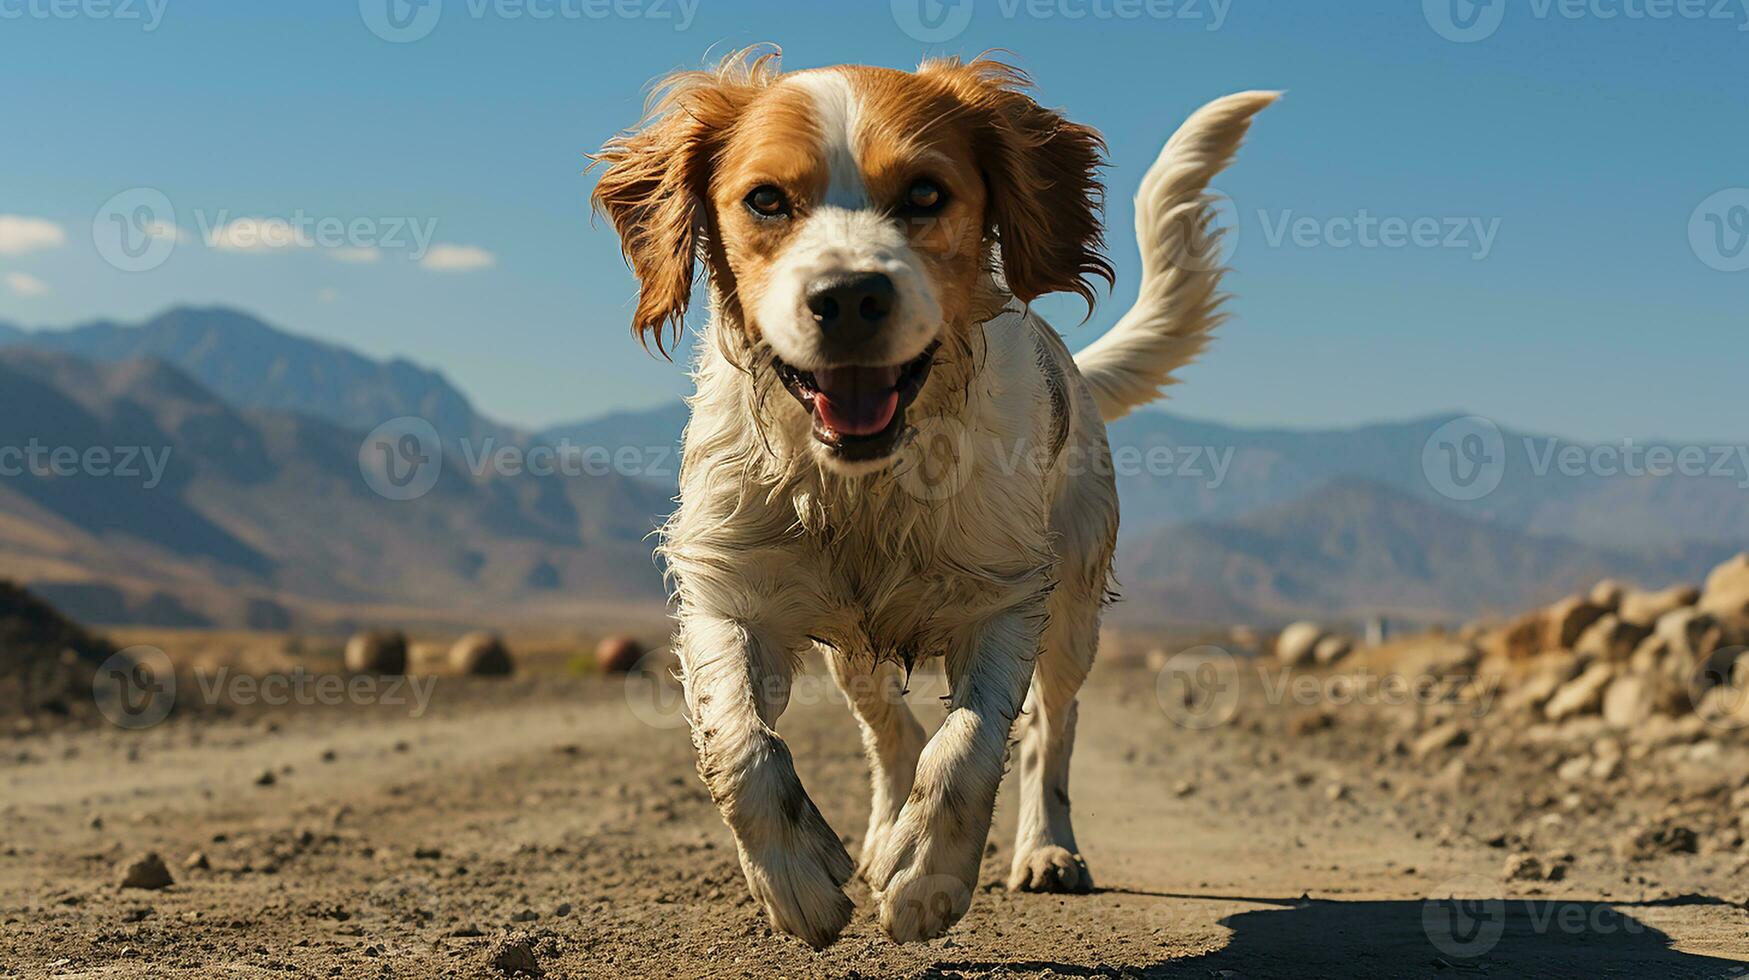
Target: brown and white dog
{"x": 890, "y": 457}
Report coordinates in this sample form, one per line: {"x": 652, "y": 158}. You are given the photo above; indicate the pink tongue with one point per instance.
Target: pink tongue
{"x": 857, "y": 401}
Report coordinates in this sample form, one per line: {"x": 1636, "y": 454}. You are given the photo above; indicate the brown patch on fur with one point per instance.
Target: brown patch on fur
{"x": 657, "y": 179}
{"x": 1016, "y": 174}
{"x": 1043, "y": 180}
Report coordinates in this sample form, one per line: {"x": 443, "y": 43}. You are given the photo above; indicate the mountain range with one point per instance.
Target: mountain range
{"x": 261, "y": 514}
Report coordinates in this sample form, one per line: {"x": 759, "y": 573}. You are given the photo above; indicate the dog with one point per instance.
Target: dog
{"x": 889, "y": 456}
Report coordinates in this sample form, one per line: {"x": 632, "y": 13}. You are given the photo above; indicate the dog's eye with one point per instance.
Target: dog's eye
{"x": 767, "y": 201}
{"x": 923, "y": 197}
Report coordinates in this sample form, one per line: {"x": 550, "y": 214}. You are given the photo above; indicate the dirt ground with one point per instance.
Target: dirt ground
{"x": 555, "y": 823}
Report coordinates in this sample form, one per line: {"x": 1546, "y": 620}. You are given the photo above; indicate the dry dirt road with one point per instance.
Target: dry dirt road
{"x": 549, "y": 818}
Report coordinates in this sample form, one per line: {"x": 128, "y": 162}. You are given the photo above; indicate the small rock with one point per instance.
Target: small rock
{"x": 1298, "y": 643}
{"x": 197, "y": 861}
{"x": 147, "y": 872}
{"x": 1439, "y": 738}
{"x": 513, "y": 956}
{"x": 267, "y": 778}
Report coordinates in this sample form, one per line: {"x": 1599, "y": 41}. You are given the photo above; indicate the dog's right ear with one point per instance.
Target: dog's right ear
{"x": 656, "y": 185}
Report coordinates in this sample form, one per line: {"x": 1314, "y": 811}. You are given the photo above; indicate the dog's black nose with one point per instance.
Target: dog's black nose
{"x": 850, "y": 307}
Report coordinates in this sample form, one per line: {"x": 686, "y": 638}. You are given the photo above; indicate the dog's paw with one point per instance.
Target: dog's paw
{"x": 800, "y": 879}
{"x": 924, "y": 885}
{"x": 1050, "y": 869}
{"x": 801, "y": 887}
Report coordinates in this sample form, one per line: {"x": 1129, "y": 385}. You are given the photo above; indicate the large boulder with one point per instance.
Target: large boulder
{"x": 1611, "y": 638}
{"x": 618, "y": 654}
{"x": 1567, "y": 620}
{"x": 1332, "y": 649}
{"x": 1727, "y": 590}
{"x": 1298, "y": 644}
{"x": 1520, "y": 639}
{"x": 1583, "y": 695}
{"x": 1608, "y": 594}
{"x": 377, "y": 652}
{"x": 1645, "y": 608}
{"x": 481, "y": 654}
{"x": 1632, "y": 699}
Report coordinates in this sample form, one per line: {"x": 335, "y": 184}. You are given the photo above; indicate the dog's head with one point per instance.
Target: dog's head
{"x": 850, "y": 219}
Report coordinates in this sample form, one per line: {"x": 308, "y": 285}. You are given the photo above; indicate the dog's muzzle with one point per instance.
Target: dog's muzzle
{"x": 859, "y": 412}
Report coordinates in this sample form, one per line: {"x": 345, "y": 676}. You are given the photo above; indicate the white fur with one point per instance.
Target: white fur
{"x": 836, "y": 240}
{"x": 1179, "y": 303}
{"x": 987, "y": 541}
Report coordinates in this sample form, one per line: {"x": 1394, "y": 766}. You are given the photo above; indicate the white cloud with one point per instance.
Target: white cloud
{"x": 355, "y": 253}
{"x": 259, "y": 235}
{"x": 25, "y": 284}
{"x": 19, "y": 234}
{"x": 457, "y": 258}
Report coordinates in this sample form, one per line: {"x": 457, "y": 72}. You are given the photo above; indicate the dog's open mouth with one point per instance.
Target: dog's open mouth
{"x": 859, "y": 412}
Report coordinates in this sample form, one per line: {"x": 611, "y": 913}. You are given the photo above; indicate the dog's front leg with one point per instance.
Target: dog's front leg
{"x": 737, "y": 684}
{"x": 927, "y": 868}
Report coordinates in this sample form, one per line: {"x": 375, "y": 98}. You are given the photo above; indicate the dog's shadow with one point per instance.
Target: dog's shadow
{"x": 1415, "y": 938}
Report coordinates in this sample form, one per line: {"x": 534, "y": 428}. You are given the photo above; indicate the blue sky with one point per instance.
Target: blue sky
{"x": 1565, "y": 157}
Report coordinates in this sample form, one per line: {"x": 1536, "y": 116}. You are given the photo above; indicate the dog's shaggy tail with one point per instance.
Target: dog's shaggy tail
{"x": 1179, "y": 304}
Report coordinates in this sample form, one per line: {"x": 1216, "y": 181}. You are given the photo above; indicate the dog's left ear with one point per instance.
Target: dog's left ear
{"x": 1042, "y": 173}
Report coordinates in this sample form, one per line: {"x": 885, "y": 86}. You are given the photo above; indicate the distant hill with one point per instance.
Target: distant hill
{"x": 1354, "y": 548}
{"x": 1184, "y": 470}
{"x": 250, "y": 364}
{"x": 263, "y": 515}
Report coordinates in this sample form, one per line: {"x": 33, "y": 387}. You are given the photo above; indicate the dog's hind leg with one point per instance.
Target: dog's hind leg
{"x": 737, "y": 684}
{"x": 1045, "y": 856}
{"x": 891, "y": 737}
